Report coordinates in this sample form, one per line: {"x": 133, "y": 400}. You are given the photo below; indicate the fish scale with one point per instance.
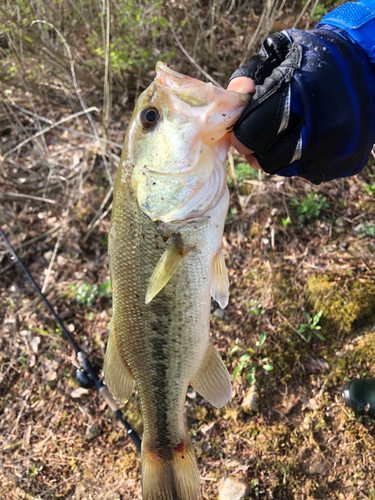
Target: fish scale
{"x": 165, "y": 257}
{"x": 172, "y": 311}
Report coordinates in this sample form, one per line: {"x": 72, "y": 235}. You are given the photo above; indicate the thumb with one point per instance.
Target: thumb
{"x": 242, "y": 84}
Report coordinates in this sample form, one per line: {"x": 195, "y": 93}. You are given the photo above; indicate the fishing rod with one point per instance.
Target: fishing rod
{"x": 86, "y": 375}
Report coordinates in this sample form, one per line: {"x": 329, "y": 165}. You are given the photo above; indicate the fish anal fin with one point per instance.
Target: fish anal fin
{"x": 220, "y": 282}
{"x": 117, "y": 376}
{"x": 213, "y": 380}
{"x": 166, "y": 267}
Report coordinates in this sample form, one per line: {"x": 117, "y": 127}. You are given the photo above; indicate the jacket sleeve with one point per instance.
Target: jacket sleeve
{"x": 357, "y": 19}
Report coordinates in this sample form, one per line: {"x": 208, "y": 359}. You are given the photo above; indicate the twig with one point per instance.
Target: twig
{"x": 75, "y": 85}
{"x": 98, "y": 213}
{"x": 292, "y": 327}
{"x": 302, "y": 13}
{"x": 97, "y": 222}
{"x": 46, "y": 279}
{"x": 70, "y": 478}
{"x": 50, "y": 122}
{"x": 4, "y": 196}
{"x": 43, "y": 131}
{"x": 107, "y": 101}
{"x": 269, "y": 12}
{"x": 193, "y": 61}
{"x": 33, "y": 240}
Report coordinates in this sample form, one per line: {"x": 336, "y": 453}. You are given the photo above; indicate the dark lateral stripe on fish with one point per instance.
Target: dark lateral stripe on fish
{"x": 159, "y": 374}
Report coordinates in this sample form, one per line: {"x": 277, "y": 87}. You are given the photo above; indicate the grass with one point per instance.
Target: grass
{"x": 287, "y": 262}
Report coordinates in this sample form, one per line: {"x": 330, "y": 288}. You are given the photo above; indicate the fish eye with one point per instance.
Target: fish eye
{"x": 149, "y": 117}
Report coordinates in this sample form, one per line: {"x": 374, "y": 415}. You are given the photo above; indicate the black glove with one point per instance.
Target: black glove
{"x": 313, "y": 112}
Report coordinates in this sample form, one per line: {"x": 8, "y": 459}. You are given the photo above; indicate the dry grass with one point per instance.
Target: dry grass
{"x": 58, "y": 160}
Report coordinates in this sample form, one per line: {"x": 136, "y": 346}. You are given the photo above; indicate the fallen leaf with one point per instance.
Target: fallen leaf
{"x": 34, "y": 344}
{"x": 79, "y": 392}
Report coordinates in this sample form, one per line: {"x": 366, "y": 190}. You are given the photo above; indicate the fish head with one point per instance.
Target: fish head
{"x": 177, "y": 142}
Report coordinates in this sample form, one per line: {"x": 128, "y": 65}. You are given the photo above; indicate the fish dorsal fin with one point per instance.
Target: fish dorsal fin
{"x": 166, "y": 267}
{"x": 118, "y": 378}
{"x": 220, "y": 282}
{"x": 213, "y": 380}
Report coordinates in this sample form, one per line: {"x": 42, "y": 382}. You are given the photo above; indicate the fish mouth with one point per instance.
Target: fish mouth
{"x": 171, "y": 79}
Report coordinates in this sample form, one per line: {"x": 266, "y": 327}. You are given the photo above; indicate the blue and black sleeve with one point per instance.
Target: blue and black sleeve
{"x": 313, "y": 113}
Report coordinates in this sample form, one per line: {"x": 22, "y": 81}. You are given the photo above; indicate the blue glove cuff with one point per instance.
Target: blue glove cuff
{"x": 358, "y": 20}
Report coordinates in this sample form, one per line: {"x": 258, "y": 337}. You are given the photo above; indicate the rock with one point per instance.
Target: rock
{"x": 249, "y": 403}
{"x": 219, "y": 313}
{"x": 92, "y": 432}
{"x": 232, "y": 489}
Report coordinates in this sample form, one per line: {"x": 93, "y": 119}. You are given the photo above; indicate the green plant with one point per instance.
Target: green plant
{"x": 231, "y": 215}
{"x": 21, "y": 360}
{"x": 34, "y": 470}
{"x": 257, "y": 311}
{"x": 285, "y": 222}
{"x": 370, "y": 189}
{"x": 242, "y": 171}
{"x": 138, "y": 30}
{"x": 310, "y": 207}
{"x": 251, "y": 361}
{"x": 257, "y": 491}
{"x": 319, "y": 11}
{"x": 367, "y": 229}
{"x": 285, "y": 469}
{"x": 312, "y": 326}
{"x": 86, "y": 293}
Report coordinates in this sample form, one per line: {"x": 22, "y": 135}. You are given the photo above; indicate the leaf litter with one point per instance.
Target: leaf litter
{"x": 286, "y": 433}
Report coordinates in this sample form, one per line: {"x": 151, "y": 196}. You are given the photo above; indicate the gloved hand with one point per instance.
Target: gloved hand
{"x": 313, "y": 111}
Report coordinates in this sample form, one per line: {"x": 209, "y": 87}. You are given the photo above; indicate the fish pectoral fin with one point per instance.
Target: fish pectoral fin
{"x": 213, "y": 380}
{"x": 118, "y": 378}
{"x": 220, "y": 282}
{"x": 166, "y": 267}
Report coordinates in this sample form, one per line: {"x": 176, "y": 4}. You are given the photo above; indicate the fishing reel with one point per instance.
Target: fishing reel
{"x": 87, "y": 373}
{"x": 83, "y": 379}
{"x": 360, "y": 395}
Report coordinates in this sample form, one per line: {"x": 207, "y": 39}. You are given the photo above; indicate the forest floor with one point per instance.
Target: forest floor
{"x": 300, "y": 322}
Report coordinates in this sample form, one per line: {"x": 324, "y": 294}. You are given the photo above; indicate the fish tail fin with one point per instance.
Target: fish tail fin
{"x": 172, "y": 478}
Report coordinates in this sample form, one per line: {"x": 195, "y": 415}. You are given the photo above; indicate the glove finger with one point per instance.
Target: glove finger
{"x": 273, "y": 52}
{"x": 249, "y": 69}
{"x": 260, "y": 127}
{"x": 284, "y": 150}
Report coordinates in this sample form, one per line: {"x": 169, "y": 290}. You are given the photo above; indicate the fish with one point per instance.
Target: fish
{"x": 165, "y": 253}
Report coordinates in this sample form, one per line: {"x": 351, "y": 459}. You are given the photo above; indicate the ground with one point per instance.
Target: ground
{"x": 300, "y": 322}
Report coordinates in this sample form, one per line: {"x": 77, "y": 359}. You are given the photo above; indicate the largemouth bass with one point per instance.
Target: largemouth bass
{"x": 169, "y": 209}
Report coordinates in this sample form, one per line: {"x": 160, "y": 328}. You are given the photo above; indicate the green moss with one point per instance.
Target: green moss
{"x": 134, "y": 417}
{"x": 346, "y": 304}
{"x": 364, "y": 351}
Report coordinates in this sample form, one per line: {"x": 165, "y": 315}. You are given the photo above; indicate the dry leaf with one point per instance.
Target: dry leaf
{"x": 79, "y": 392}
{"x": 34, "y": 344}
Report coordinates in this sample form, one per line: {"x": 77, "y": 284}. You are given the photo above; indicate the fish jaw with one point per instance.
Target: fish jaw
{"x": 174, "y": 162}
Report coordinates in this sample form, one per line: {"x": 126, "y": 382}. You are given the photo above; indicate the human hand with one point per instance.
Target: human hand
{"x": 313, "y": 111}
{"x": 244, "y": 85}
